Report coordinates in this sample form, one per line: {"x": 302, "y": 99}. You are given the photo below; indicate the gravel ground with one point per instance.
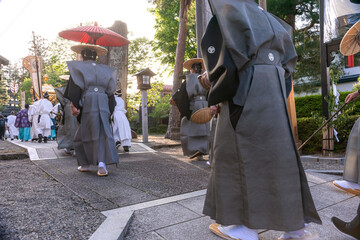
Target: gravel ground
{"x": 34, "y": 206}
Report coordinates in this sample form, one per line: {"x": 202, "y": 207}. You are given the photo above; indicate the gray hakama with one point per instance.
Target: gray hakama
{"x": 194, "y": 137}
{"x": 257, "y": 179}
{"x": 68, "y": 125}
{"x": 352, "y": 166}
{"x": 94, "y": 140}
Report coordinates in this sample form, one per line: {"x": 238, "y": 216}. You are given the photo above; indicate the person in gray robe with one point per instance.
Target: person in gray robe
{"x": 91, "y": 91}
{"x": 194, "y": 137}
{"x": 257, "y": 180}
{"x": 68, "y": 124}
{"x": 351, "y": 176}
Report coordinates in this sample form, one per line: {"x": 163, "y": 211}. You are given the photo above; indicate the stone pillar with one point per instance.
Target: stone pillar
{"x": 118, "y": 57}
{"x": 144, "y": 114}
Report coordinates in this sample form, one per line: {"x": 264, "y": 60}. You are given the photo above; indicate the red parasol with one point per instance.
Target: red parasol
{"x": 94, "y": 35}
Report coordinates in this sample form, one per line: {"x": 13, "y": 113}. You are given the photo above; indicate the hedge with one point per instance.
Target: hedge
{"x": 159, "y": 129}
{"x": 307, "y": 126}
{"x": 306, "y": 106}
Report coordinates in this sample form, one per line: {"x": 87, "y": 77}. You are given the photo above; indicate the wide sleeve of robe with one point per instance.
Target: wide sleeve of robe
{"x": 182, "y": 102}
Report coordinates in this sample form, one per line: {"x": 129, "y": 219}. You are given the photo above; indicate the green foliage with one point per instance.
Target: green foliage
{"x": 59, "y": 52}
{"x": 159, "y": 129}
{"x": 134, "y": 99}
{"x": 356, "y": 86}
{"x": 26, "y": 86}
{"x": 161, "y": 109}
{"x": 166, "y": 14}
{"x": 3, "y": 94}
{"x": 306, "y": 127}
{"x": 140, "y": 55}
{"x": 310, "y": 105}
{"x": 306, "y": 38}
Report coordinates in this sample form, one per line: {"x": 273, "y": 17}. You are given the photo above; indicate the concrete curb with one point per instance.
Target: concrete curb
{"x": 312, "y": 158}
{"x": 118, "y": 220}
{"x": 165, "y": 146}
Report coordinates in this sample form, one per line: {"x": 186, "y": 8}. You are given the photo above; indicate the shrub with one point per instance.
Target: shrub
{"x": 307, "y": 126}
{"x": 308, "y": 105}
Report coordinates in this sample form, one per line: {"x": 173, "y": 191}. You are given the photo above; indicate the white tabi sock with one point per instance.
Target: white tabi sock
{"x": 239, "y": 232}
{"x": 102, "y": 164}
{"x": 347, "y": 184}
{"x": 293, "y": 234}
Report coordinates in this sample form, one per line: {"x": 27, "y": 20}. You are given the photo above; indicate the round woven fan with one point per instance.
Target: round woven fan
{"x": 201, "y": 116}
{"x": 350, "y": 44}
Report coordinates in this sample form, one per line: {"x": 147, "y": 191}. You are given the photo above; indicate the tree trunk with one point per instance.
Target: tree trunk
{"x": 173, "y": 131}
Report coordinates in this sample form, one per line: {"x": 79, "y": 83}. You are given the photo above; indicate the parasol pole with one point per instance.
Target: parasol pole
{"x": 327, "y": 121}
{"x": 37, "y": 66}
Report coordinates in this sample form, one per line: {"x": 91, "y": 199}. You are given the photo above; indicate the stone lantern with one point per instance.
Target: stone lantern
{"x": 144, "y": 83}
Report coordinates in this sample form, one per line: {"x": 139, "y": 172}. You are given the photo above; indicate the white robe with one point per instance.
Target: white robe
{"x": 13, "y": 131}
{"x": 120, "y": 125}
{"x": 33, "y": 115}
{"x": 45, "y": 107}
{"x": 54, "y": 110}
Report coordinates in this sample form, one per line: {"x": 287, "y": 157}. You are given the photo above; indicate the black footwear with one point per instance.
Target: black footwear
{"x": 40, "y": 138}
{"x": 118, "y": 144}
{"x": 350, "y": 228}
{"x": 45, "y": 139}
{"x": 126, "y": 148}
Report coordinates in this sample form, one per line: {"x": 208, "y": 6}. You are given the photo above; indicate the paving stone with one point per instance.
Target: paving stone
{"x": 327, "y": 194}
{"x": 149, "y": 219}
{"x": 144, "y": 236}
{"x": 103, "y": 205}
{"x": 325, "y": 231}
{"x": 345, "y": 210}
{"x": 195, "y": 204}
{"x": 195, "y": 229}
{"x": 46, "y": 153}
{"x": 318, "y": 178}
{"x": 132, "y": 196}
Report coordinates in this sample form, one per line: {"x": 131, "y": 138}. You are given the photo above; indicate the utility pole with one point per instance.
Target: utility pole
{"x": 37, "y": 66}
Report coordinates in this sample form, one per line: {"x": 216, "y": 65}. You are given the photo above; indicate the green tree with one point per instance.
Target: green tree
{"x": 161, "y": 109}
{"x": 3, "y": 93}
{"x": 305, "y": 13}
{"x": 59, "y": 52}
{"x": 26, "y": 87}
{"x": 167, "y": 16}
{"x": 134, "y": 99}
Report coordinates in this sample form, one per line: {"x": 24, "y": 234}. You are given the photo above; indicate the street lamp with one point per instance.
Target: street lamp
{"x": 144, "y": 83}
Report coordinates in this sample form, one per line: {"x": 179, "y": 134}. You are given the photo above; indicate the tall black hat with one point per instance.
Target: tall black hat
{"x": 46, "y": 95}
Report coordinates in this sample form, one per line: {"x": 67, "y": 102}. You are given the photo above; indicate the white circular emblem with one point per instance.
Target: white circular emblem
{"x": 271, "y": 57}
{"x": 211, "y": 49}
{"x": 96, "y": 89}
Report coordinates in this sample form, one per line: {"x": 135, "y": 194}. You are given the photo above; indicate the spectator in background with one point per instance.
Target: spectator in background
{"x": 22, "y": 122}
{"x": 2, "y": 127}
{"x": 13, "y": 131}
{"x": 120, "y": 124}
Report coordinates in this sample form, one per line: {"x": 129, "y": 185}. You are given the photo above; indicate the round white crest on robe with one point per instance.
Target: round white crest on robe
{"x": 271, "y": 57}
{"x": 211, "y": 49}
